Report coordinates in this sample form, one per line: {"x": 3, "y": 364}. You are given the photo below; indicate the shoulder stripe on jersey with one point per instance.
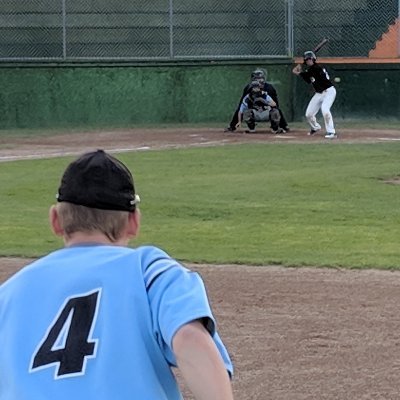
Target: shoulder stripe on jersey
{"x": 157, "y": 267}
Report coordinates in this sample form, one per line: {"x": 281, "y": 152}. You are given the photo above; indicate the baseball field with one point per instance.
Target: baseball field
{"x": 296, "y": 331}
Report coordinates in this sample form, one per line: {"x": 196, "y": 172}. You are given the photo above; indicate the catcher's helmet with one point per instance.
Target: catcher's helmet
{"x": 309, "y": 55}
{"x": 255, "y": 89}
{"x": 258, "y": 74}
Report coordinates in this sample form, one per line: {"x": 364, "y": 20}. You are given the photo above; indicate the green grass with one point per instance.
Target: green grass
{"x": 325, "y": 204}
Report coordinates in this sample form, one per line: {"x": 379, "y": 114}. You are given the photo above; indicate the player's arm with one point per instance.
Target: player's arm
{"x": 177, "y": 298}
{"x": 271, "y": 91}
{"x": 239, "y": 119}
{"x": 242, "y": 108}
{"x": 297, "y": 69}
{"x": 270, "y": 101}
{"x": 200, "y": 363}
{"x": 239, "y": 116}
{"x": 236, "y": 114}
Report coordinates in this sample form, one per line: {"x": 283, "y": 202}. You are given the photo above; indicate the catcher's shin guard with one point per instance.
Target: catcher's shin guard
{"x": 275, "y": 118}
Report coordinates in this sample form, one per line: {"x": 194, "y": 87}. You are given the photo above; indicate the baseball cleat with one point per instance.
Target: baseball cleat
{"x": 312, "y": 132}
{"x": 330, "y": 135}
{"x": 229, "y": 129}
{"x": 250, "y": 130}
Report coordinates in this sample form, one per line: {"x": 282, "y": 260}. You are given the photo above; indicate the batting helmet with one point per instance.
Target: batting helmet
{"x": 309, "y": 55}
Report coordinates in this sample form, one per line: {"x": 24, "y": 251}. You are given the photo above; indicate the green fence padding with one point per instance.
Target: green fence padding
{"x": 42, "y": 96}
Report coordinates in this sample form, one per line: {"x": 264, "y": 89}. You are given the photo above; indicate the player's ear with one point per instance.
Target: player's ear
{"x": 134, "y": 223}
{"x": 55, "y": 221}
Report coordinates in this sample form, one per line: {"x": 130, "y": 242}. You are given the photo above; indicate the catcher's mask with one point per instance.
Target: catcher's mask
{"x": 255, "y": 89}
{"x": 309, "y": 55}
{"x": 261, "y": 81}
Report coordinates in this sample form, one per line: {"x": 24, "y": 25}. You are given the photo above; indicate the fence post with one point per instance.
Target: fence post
{"x": 171, "y": 28}
{"x": 64, "y": 28}
{"x": 290, "y": 27}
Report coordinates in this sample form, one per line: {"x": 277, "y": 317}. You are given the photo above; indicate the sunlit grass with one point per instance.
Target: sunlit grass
{"x": 324, "y": 204}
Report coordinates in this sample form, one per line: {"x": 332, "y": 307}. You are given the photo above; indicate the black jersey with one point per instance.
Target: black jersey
{"x": 318, "y": 77}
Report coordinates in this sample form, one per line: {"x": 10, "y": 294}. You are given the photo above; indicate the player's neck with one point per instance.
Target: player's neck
{"x": 82, "y": 238}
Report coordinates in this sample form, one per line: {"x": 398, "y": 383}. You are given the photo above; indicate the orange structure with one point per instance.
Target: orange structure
{"x": 388, "y": 46}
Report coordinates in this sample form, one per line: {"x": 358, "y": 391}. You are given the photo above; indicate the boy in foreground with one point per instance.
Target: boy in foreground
{"x": 99, "y": 320}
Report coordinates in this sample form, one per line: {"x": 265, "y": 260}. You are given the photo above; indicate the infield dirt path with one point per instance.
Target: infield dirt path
{"x": 148, "y": 139}
{"x": 294, "y": 334}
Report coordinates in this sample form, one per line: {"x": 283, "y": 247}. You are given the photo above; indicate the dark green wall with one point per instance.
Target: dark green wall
{"x": 34, "y": 96}
{"x": 74, "y": 96}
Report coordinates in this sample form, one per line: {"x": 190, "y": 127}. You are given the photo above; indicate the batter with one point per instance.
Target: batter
{"x": 325, "y": 94}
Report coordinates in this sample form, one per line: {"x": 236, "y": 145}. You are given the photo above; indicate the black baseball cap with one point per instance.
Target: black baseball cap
{"x": 98, "y": 180}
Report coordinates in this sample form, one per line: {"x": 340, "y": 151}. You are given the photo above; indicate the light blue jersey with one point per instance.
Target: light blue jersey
{"x": 97, "y": 322}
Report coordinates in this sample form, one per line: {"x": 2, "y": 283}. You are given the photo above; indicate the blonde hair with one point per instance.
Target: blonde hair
{"x": 75, "y": 218}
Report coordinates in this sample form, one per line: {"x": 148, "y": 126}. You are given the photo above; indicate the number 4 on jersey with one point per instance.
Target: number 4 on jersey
{"x": 67, "y": 343}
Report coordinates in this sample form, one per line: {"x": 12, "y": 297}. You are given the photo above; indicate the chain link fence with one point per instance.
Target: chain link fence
{"x": 102, "y": 30}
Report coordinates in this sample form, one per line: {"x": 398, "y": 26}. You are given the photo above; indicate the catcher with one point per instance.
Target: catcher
{"x": 258, "y": 106}
{"x": 261, "y": 76}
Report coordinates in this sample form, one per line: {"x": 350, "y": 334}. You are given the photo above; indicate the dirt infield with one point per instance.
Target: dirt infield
{"x": 323, "y": 334}
{"x": 148, "y": 139}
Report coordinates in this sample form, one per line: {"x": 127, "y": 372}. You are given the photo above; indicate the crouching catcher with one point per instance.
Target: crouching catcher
{"x": 258, "y": 106}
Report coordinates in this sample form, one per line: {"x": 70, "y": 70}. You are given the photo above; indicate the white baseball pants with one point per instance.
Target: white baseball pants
{"x": 324, "y": 102}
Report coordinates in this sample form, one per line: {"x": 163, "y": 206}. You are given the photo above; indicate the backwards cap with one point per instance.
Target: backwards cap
{"x": 98, "y": 180}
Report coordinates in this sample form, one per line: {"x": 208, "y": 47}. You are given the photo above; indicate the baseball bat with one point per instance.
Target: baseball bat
{"x": 321, "y": 44}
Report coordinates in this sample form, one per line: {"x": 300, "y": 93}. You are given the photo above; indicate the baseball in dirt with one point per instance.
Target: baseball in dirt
{"x": 337, "y": 79}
